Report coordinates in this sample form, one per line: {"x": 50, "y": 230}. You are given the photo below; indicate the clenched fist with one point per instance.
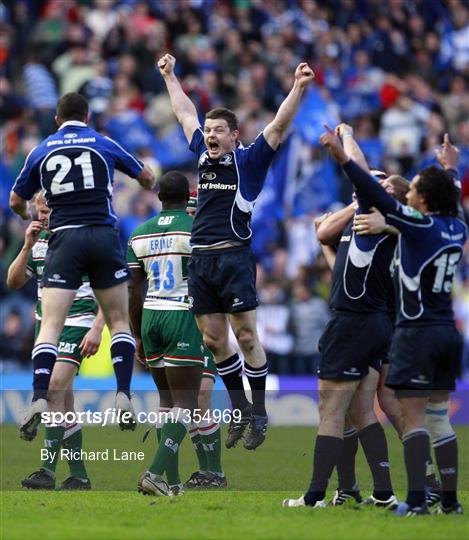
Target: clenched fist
{"x": 166, "y": 64}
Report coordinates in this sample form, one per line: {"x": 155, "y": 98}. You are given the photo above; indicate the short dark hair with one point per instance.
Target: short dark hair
{"x": 400, "y": 185}
{"x": 224, "y": 114}
{"x": 439, "y": 191}
{"x": 72, "y": 106}
{"x": 173, "y": 187}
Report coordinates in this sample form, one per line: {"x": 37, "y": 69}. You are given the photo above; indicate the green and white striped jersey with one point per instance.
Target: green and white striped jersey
{"x": 160, "y": 247}
{"x": 84, "y": 308}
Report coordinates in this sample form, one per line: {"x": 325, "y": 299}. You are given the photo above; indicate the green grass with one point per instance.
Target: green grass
{"x": 251, "y": 508}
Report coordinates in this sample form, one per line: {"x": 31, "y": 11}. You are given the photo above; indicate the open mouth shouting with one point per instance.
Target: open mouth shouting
{"x": 214, "y": 149}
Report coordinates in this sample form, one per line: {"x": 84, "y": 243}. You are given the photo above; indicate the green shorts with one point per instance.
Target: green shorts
{"x": 171, "y": 338}
{"x": 69, "y": 343}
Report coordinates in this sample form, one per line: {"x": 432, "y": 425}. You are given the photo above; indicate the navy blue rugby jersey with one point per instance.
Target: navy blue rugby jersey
{"x": 75, "y": 166}
{"x": 228, "y": 189}
{"x": 428, "y": 252}
{"x": 361, "y": 279}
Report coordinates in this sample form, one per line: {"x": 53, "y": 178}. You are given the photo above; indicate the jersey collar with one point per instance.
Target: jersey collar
{"x": 74, "y": 123}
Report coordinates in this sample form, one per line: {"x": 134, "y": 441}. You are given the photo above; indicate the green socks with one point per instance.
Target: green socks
{"x": 172, "y": 434}
{"x": 73, "y": 441}
{"x": 52, "y": 443}
{"x": 198, "y": 447}
{"x": 211, "y": 442}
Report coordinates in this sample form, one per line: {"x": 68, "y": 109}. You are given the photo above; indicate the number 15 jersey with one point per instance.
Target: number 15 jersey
{"x": 75, "y": 166}
{"x": 160, "y": 247}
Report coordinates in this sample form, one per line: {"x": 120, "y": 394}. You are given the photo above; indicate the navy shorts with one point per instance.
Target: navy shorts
{"x": 425, "y": 358}
{"x": 94, "y": 250}
{"x": 222, "y": 280}
{"x": 352, "y": 343}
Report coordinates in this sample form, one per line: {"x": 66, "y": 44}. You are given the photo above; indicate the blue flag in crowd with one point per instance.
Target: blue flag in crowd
{"x": 313, "y": 113}
{"x": 5, "y": 185}
{"x": 132, "y": 131}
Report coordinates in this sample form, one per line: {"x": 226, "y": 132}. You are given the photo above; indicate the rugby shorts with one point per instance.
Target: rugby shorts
{"x": 222, "y": 280}
{"x": 94, "y": 250}
{"x": 352, "y": 343}
{"x": 425, "y": 358}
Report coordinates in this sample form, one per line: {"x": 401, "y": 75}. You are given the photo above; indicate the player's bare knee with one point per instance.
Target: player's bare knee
{"x": 216, "y": 344}
{"x": 247, "y": 340}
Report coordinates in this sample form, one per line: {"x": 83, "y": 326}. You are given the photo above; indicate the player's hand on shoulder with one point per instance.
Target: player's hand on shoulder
{"x": 303, "y": 74}
{"x": 372, "y": 223}
{"x": 166, "y": 64}
{"x": 447, "y": 154}
{"x": 32, "y": 233}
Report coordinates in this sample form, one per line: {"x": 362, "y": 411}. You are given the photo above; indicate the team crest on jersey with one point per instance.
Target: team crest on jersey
{"x": 226, "y": 160}
{"x": 411, "y": 212}
{"x": 203, "y": 159}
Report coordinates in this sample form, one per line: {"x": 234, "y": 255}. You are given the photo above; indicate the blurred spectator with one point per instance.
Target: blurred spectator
{"x": 309, "y": 316}
{"x": 273, "y": 316}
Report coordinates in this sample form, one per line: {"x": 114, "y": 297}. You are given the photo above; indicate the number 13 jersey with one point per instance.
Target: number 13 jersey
{"x": 75, "y": 166}
{"x": 160, "y": 247}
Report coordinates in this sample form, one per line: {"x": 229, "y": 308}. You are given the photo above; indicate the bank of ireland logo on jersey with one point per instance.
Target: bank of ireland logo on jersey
{"x": 70, "y": 135}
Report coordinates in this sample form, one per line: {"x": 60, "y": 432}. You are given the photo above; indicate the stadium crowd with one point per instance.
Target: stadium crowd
{"x": 397, "y": 71}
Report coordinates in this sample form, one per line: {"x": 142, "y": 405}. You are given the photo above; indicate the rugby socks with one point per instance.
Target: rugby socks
{"x": 446, "y": 453}
{"x": 198, "y": 447}
{"x": 326, "y": 455}
{"x": 445, "y": 446}
{"x": 375, "y": 447}
{"x": 346, "y": 463}
{"x": 44, "y": 356}
{"x": 231, "y": 371}
{"x": 172, "y": 467}
{"x": 73, "y": 441}
{"x": 122, "y": 354}
{"x": 257, "y": 379}
{"x": 211, "y": 442}
{"x": 52, "y": 443}
{"x": 431, "y": 479}
{"x": 172, "y": 434}
{"x": 416, "y": 453}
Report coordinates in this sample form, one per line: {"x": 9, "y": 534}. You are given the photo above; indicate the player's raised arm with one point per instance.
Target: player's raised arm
{"x": 18, "y": 273}
{"x": 365, "y": 184}
{"x": 183, "y": 107}
{"x": 274, "y": 132}
{"x": 448, "y": 157}
{"x": 351, "y": 147}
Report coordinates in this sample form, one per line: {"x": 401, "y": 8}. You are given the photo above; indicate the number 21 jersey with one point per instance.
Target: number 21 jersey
{"x": 75, "y": 166}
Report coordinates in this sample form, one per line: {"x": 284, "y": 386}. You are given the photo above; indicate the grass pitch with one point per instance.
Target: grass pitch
{"x": 250, "y": 508}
